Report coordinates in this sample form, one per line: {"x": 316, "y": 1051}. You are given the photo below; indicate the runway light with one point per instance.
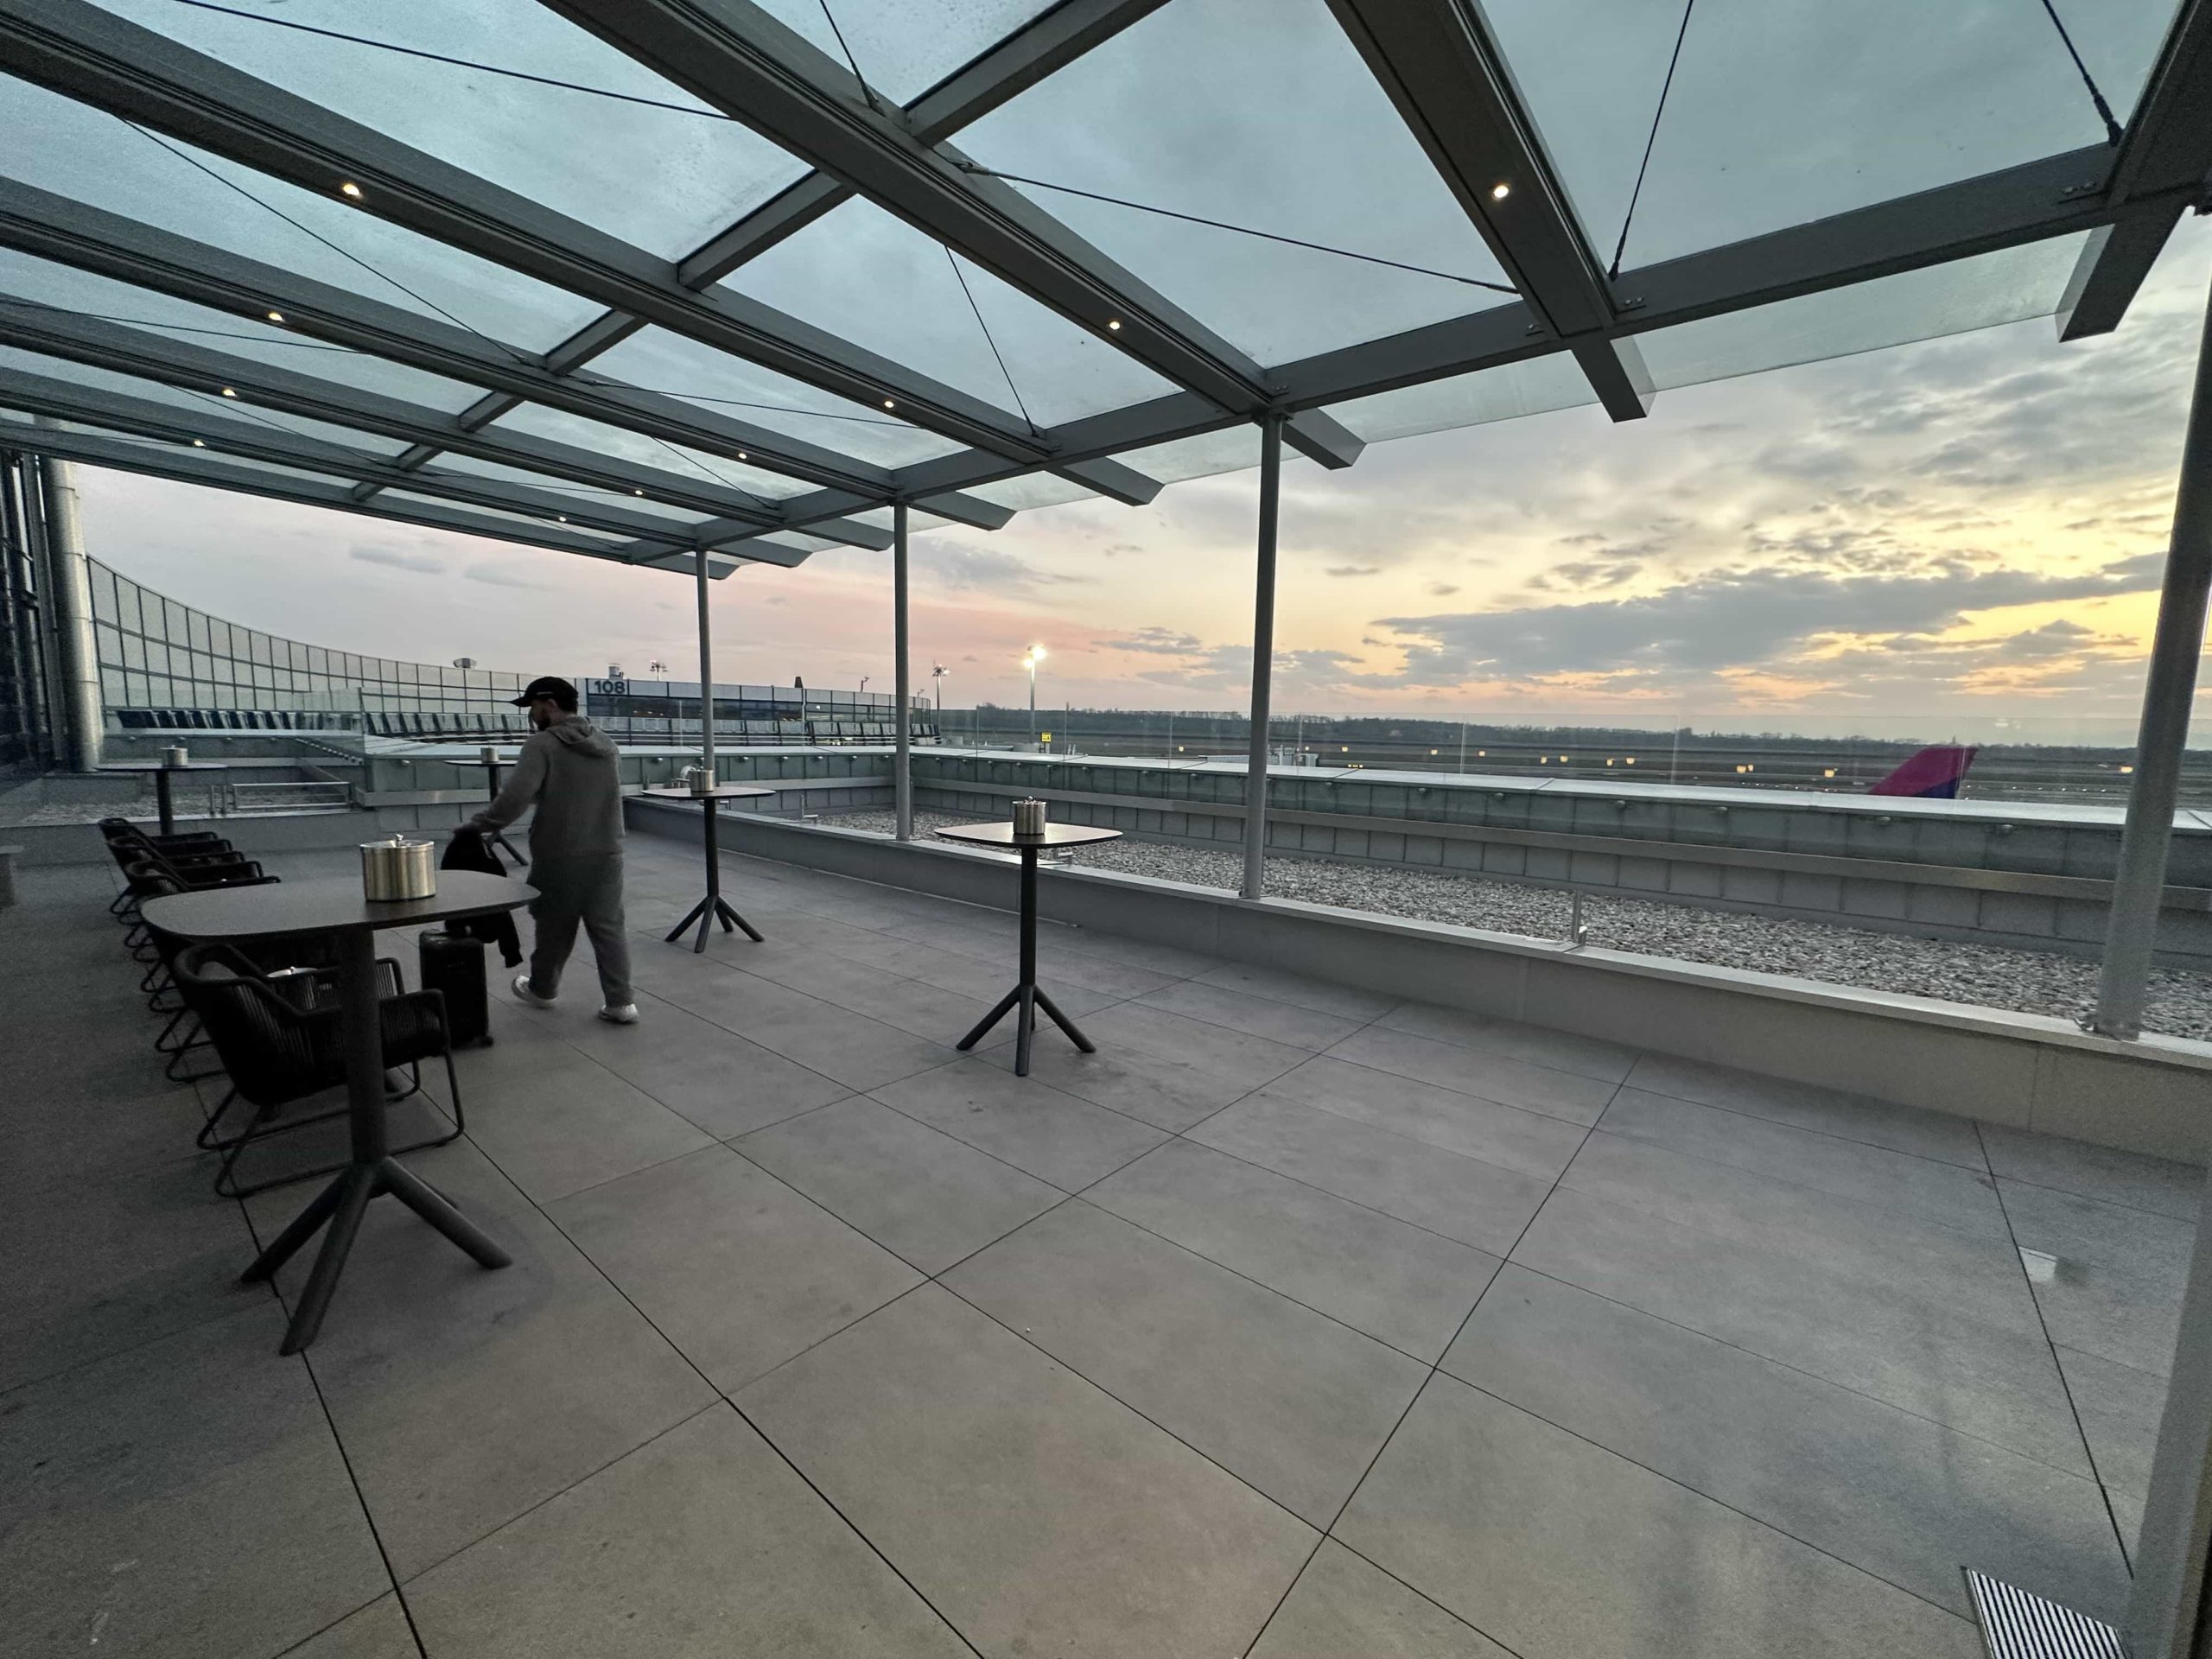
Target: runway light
{"x": 1500, "y": 191}
{"x": 1481, "y": 754}
{"x": 1827, "y": 771}
{"x": 1630, "y": 761}
{"x": 350, "y": 188}
{"x": 1608, "y": 760}
{"x": 2128, "y": 768}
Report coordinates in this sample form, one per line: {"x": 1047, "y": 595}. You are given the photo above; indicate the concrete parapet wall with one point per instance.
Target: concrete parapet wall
{"x": 2153, "y": 1096}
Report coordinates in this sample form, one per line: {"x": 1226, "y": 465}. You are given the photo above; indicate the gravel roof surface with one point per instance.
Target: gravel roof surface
{"x": 1993, "y": 976}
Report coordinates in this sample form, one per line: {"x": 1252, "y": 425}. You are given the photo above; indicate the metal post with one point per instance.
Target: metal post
{"x": 71, "y": 599}
{"x": 2179, "y": 641}
{"x": 902, "y": 773}
{"x": 1263, "y": 654}
{"x": 706, "y": 673}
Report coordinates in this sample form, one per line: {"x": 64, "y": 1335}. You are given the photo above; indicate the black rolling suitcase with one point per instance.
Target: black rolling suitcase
{"x": 453, "y": 963}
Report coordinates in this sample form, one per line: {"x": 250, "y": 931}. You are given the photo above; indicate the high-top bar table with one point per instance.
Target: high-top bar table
{"x": 161, "y": 777}
{"x": 336, "y": 910}
{"x": 711, "y": 908}
{"x": 1026, "y": 995}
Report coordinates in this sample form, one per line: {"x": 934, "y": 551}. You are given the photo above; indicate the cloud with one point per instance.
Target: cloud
{"x": 379, "y": 553}
{"x": 499, "y": 576}
{"x": 1163, "y": 642}
{"x": 1735, "y": 618}
{"x": 1352, "y": 571}
{"x": 958, "y": 566}
{"x": 1443, "y": 589}
{"x": 1119, "y": 548}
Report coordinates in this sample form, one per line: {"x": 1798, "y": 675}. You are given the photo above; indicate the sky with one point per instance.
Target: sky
{"x": 1931, "y": 538}
{"x": 1965, "y": 528}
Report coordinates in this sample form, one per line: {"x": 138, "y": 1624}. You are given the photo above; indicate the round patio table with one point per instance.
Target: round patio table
{"x": 711, "y": 908}
{"x": 335, "y": 909}
{"x": 1027, "y": 996}
{"x": 162, "y": 774}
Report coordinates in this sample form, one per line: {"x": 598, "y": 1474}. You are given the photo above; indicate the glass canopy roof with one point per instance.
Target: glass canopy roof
{"x": 759, "y": 271}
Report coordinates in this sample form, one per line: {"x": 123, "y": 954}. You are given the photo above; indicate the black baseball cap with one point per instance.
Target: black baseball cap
{"x": 550, "y": 686}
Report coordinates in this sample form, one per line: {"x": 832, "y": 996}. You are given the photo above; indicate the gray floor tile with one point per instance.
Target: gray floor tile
{"x": 1023, "y": 1121}
{"x": 1323, "y": 996}
{"x": 95, "y": 1267}
{"x": 2121, "y": 1408}
{"x": 1343, "y": 1605}
{"x": 1234, "y": 1056}
{"x": 1880, "y": 1488}
{"x": 1562, "y": 1051}
{"x": 908, "y": 1004}
{"x": 720, "y": 1082}
{"x": 465, "y": 1396}
{"x": 848, "y": 1048}
{"x": 1463, "y": 1198}
{"x": 2115, "y": 1288}
{"x": 1901, "y": 1128}
{"x": 563, "y": 1130}
{"x": 1035, "y": 1512}
{"x": 1923, "y": 1353}
{"x": 378, "y": 1631}
{"x": 1531, "y": 1142}
{"x": 185, "y": 1497}
{"x": 702, "y": 1542}
{"x": 920, "y": 1193}
{"x": 1477, "y": 1072}
{"x": 734, "y": 1268}
{"x": 1961, "y": 1197}
{"x": 1271, "y": 1391}
{"x": 1866, "y": 1244}
{"x": 1279, "y": 1022}
{"x": 2100, "y": 1172}
{"x": 1559, "y": 1549}
{"x": 1171, "y": 1094}
{"x": 1396, "y": 1282}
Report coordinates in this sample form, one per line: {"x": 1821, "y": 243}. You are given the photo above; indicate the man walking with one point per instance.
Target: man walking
{"x": 567, "y": 770}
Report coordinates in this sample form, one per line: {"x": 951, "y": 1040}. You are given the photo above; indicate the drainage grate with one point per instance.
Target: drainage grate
{"x": 2016, "y": 1624}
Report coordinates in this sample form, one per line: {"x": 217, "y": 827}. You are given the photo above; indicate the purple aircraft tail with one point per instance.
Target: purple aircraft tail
{"x": 1933, "y": 774}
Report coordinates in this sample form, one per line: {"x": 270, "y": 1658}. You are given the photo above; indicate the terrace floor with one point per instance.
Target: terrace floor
{"x": 1295, "y": 1322}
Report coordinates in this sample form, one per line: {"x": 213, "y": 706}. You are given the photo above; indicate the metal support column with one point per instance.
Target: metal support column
{"x": 706, "y": 674}
{"x": 69, "y": 596}
{"x": 2168, "y": 1612}
{"x": 19, "y": 579}
{"x": 2167, "y": 692}
{"x": 902, "y": 771}
{"x": 1263, "y": 659}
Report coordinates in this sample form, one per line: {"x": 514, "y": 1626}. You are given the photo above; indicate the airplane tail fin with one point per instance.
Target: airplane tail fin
{"x": 1933, "y": 774}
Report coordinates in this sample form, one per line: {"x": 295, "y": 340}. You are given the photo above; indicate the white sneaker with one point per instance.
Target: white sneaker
{"x": 524, "y": 993}
{"x": 619, "y": 1015}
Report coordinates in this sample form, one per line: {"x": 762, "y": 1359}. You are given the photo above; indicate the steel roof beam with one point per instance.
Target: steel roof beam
{"x": 124, "y": 350}
{"x": 742, "y": 61}
{"x": 88, "y": 53}
{"x": 1451, "y": 88}
{"x": 129, "y": 457}
{"x": 2167, "y": 147}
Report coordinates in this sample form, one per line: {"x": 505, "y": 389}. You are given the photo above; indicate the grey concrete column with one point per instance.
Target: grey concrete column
{"x": 1263, "y": 659}
{"x": 902, "y": 761}
{"x": 706, "y": 672}
{"x": 18, "y": 576}
{"x": 69, "y": 597}
{"x": 2167, "y": 693}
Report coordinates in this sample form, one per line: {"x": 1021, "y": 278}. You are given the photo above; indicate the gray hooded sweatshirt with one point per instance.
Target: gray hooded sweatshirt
{"x": 569, "y": 772}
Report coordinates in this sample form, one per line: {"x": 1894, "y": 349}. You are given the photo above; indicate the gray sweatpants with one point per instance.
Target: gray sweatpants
{"x": 572, "y": 890}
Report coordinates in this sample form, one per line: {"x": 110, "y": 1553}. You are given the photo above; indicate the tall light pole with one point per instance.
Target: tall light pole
{"x": 937, "y": 671}
{"x": 1036, "y": 656}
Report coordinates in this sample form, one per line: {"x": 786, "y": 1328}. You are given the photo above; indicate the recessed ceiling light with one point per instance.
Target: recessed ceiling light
{"x": 1114, "y": 323}
{"x": 741, "y": 455}
{"x": 1500, "y": 191}
{"x": 199, "y": 443}
{"x": 275, "y": 317}
{"x": 350, "y": 188}
{"x": 563, "y": 517}
{"x": 637, "y": 492}
{"x": 228, "y": 392}
{"x": 887, "y": 404}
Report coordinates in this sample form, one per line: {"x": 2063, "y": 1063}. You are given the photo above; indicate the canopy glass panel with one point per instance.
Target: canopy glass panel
{"x": 904, "y": 47}
{"x": 84, "y": 154}
{"x": 1787, "y": 111}
{"x": 664, "y": 178}
{"x": 471, "y": 467}
{"x": 659, "y": 360}
{"x": 1261, "y": 119}
{"x": 877, "y": 282}
{"x": 647, "y": 451}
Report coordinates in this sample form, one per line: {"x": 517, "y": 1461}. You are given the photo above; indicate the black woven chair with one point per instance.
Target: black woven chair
{"x": 127, "y": 841}
{"x": 280, "y": 1036}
